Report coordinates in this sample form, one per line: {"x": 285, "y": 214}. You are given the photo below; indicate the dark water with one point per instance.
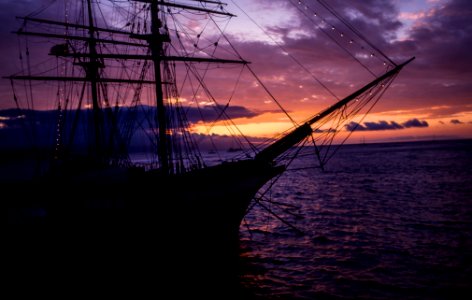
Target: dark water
{"x": 384, "y": 221}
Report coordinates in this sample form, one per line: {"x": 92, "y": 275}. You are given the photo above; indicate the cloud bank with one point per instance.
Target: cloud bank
{"x": 384, "y": 125}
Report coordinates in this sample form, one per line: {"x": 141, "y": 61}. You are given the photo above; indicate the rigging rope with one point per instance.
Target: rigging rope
{"x": 187, "y": 76}
{"x": 332, "y": 38}
{"x": 357, "y": 32}
{"x": 200, "y": 78}
{"x": 257, "y": 78}
{"x": 285, "y": 51}
{"x": 191, "y": 69}
{"x": 379, "y": 96}
{"x": 271, "y": 95}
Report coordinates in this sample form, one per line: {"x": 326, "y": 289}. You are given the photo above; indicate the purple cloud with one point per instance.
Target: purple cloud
{"x": 373, "y": 126}
{"x": 15, "y": 123}
{"x": 384, "y": 125}
{"x": 415, "y": 123}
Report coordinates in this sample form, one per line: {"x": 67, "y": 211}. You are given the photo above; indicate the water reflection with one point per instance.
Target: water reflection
{"x": 384, "y": 221}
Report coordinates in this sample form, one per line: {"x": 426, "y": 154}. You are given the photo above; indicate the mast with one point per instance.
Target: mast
{"x": 194, "y": 8}
{"x": 91, "y": 71}
{"x": 156, "y": 41}
{"x": 91, "y": 60}
{"x": 156, "y": 44}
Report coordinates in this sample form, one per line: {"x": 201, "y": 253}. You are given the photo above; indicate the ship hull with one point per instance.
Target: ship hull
{"x": 105, "y": 197}
{"x": 116, "y": 224}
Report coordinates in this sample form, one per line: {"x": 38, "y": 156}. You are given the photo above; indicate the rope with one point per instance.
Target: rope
{"x": 283, "y": 49}
{"x": 271, "y": 95}
{"x": 333, "y": 39}
{"x": 357, "y": 32}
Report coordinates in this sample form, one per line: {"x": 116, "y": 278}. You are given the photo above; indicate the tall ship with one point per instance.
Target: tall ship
{"x": 121, "y": 88}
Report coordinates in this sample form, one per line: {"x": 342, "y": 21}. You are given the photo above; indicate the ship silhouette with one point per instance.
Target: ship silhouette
{"x": 112, "y": 76}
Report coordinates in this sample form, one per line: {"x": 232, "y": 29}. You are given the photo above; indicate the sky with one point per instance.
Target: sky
{"x": 430, "y": 99}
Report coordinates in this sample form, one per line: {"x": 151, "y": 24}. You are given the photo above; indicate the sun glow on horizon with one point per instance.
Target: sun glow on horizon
{"x": 401, "y": 125}
{"x": 259, "y": 130}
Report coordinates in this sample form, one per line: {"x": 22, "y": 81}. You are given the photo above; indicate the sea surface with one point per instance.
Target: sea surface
{"x": 383, "y": 221}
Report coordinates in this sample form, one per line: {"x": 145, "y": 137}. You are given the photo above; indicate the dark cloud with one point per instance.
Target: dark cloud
{"x": 212, "y": 112}
{"x": 444, "y": 38}
{"x": 233, "y": 112}
{"x": 351, "y": 126}
{"x": 456, "y": 122}
{"x": 25, "y": 128}
{"x": 330, "y": 130}
{"x": 376, "y": 19}
{"x": 415, "y": 123}
{"x": 441, "y": 42}
{"x": 14, "y": 117}
{"x": 368, "y": 126}
{"x": 384, "y": 125}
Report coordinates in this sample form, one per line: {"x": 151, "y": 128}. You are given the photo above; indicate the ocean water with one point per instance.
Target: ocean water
{"x": 383, "y": 221}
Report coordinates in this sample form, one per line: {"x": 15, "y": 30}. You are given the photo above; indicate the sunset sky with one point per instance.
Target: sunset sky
{"x": 430, "y": 99}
